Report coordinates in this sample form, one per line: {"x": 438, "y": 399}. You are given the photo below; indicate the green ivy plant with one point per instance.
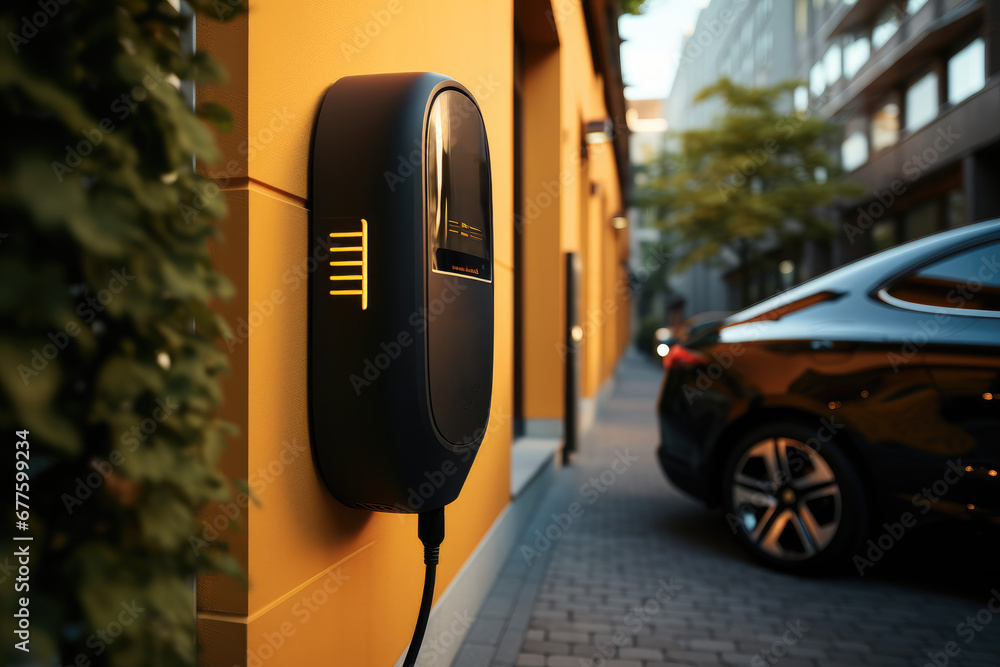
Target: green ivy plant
{"x": 109, "y": 365}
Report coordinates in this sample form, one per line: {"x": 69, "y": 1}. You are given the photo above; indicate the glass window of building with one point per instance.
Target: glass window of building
{"x": 746, "y": 73}
{"x": 921, "y": 220}
{"x": 801, "y": 18}
{"x": 817, "y": 79}
{"x": 922, "y": 102}
{"x": 956, "y": 208}
{"x": 854, "y": 151}
{"x": 856, "y": 54}
{"x": 913, "y": 6}
{"x": 746, "y": 38}
{"x": 886, "y": 26}
{"x": 760, "y": 48}
{"x": 763, "y": 7}
{"x": 883, "y": 234}
{"x": 885, "y": 126}
{"x": 831, "y": 64}
{"x": 800, "y": 99}
{"x": 967, "y": 71}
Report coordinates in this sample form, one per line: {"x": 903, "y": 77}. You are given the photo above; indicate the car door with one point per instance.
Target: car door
{"x": 958, "y": 296}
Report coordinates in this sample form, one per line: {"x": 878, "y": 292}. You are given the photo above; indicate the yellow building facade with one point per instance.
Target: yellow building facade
{"x": 336, "y": 586}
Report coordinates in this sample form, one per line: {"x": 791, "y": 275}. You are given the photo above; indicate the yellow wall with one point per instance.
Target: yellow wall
{"x": 330, "y": 585}
{"x": 580, "y": 220}
{"x": 543, "y": 203}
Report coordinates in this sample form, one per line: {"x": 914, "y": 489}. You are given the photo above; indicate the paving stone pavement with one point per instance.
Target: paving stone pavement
{"x": 619, "y": 569}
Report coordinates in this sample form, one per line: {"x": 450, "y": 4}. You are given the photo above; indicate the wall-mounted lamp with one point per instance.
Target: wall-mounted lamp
{"x": 598, "y": 131}
{"x": 619, "y": 222}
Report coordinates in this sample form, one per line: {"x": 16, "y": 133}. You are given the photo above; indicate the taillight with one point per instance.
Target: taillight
{"x": 681, "y": 356}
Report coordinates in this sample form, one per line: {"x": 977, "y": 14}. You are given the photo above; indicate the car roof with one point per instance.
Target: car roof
{"x": 865, "y": 273}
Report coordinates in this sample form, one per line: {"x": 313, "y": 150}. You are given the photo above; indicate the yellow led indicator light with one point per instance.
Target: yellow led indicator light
{"x": 363, "y": 263}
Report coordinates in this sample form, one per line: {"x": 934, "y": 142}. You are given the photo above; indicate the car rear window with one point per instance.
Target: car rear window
{"x": 969, "y": 279}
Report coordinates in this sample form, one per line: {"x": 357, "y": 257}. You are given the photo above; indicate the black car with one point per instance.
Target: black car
{"x": 834, "y": 416}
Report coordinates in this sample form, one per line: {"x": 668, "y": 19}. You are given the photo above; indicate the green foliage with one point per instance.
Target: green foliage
{"x": 633, "y": 6}
{"x": 756, "y": 171}
{"x": 107, "y": 340}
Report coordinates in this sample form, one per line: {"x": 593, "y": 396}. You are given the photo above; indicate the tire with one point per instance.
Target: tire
{"x": 796, "y": 507}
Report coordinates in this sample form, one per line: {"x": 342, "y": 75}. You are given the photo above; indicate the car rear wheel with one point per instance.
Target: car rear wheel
{"x": 795, "y": 503}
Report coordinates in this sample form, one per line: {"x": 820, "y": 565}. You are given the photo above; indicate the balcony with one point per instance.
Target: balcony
{"x": 919, "y": 38}
{"x": 958, "y": 131}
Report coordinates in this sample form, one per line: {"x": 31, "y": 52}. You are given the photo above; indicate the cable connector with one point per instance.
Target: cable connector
{"x": 430, "y": 530}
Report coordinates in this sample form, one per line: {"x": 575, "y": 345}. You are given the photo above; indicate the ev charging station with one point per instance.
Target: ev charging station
{"x": 401, "y": 320}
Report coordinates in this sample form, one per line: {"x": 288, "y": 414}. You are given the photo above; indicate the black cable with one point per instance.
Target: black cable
{"x": 430, "y": 530}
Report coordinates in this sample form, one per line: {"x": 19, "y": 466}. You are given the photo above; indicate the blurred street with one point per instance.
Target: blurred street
{"x": 620, "y": 569}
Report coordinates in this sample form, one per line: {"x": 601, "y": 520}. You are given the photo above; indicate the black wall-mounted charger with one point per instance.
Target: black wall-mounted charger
{"x": 401, "y": 321}
{"x": 401, "y": 318}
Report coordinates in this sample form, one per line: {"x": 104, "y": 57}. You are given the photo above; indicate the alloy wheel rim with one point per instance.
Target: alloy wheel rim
{"x": 786, "y": 499}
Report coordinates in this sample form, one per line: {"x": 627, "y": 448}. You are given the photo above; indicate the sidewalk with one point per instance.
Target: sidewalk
{"x": 619, "y": 569}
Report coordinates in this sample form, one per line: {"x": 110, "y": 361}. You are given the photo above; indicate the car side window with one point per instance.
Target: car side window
{"x": 968, "y": 280}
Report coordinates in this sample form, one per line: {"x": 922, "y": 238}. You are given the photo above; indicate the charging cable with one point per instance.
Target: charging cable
{"x": 430, "y": 530}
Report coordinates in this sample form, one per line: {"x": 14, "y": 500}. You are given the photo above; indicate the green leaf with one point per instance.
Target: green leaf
{"x": 216, "y": 114}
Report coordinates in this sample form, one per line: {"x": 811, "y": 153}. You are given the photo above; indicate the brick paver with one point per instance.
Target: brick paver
{"x": 621, "y": 570}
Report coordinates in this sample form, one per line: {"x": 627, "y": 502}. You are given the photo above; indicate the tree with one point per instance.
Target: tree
{"x": 754, "y": 172}
{"x": 109, "y": 358}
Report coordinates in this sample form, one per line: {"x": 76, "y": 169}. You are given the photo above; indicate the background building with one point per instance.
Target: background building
{"x": 914, "y": 84}
{"x": 747, "y": 42}
{"x": 330, "y": 585}
{"x": 900, "y": 76}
